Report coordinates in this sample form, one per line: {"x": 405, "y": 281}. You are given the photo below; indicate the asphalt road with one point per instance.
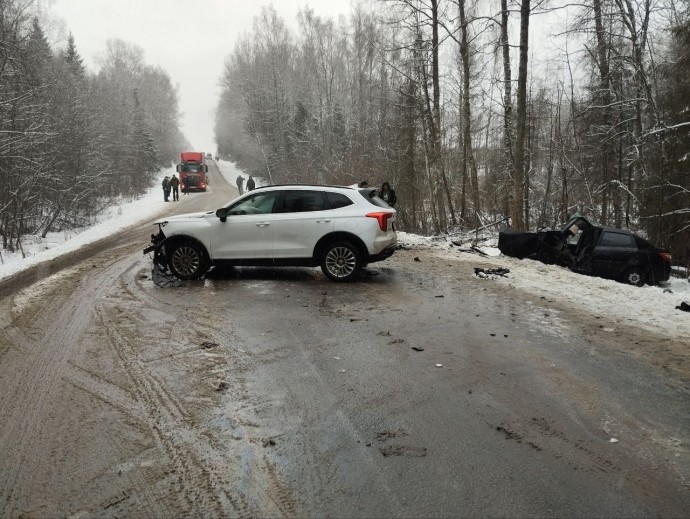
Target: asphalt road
{"x": 262, "y": 392}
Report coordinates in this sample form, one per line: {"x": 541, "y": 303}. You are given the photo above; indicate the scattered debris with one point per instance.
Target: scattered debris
{"x": 164, "y": 279}
{"x": 208, "y": 345}
{"x": 439, "y": 365}
{"x": 355, "y": 319}
{"x": 685, "y": 307}
{"x": 668, "y": 291}
{"x": 387, "y": 435}
{"x": 268, "y": 442}
{"x": 336, "y": 358}
{"x": 221, "y": 385}
{"x": 341, "y": 371}
{"x": 490, "y": 273}
{"x": 440, "y": 295}
{"x": 469, "y": 391}
{"x": 417, "y": 348}
{"x": 493, "y": 334}
{"x": 609, "y": 329}
{"x": 143, "y": 276}
{"x": 613, "y": 440}
{"x": 385, "y": 333}
{"x": 417, "y": 259}
{"x": 403, "y": 450}
{"x": 396, "y": 341}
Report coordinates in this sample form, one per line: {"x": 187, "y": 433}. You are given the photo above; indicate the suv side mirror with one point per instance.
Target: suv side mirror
{"x": 222, "y": 213}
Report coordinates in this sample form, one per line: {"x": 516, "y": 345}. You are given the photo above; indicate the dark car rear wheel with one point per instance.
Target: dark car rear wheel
{"x": 341, "y": 261}
{"x": 187, "y": 260}
{"x": 635, "y": 276}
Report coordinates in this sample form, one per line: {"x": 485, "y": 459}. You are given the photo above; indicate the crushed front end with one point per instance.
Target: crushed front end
{"x": 157, "y": 246}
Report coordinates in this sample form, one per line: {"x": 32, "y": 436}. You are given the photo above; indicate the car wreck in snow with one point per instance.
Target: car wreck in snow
{"x": 592, "y": 249}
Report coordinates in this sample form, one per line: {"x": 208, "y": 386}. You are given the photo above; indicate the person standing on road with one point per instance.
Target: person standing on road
{"x": 250, "y": 183}
{"x": 239, "y": 181}
{"x": 175, "y": 184}
{"x": 166, "y": 188}
{"x": 388, "y": 194}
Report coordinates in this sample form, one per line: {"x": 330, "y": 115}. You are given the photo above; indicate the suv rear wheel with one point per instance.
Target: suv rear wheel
{"x": 187, "y": 260}
{"x": 635, "y": 276}
{"x": 341, "y": 261}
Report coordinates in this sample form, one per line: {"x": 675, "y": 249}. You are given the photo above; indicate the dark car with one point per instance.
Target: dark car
{"x": 592, "y": 249}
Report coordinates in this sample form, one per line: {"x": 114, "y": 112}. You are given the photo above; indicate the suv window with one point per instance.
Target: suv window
{"x": 614, "y": 239}
{"x": 303, "y": 201}
{"x": 338, "y": 200}
{"x": 259, "y": 203}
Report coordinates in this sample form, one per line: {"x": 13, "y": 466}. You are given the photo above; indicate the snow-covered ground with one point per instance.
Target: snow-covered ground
{"x": 229, "y": 170}
{"x": 123, "y": 214}
{"x": 652, "y": 308}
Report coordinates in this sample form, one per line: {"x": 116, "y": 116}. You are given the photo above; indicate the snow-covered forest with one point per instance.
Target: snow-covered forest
{"x": 470, "y": 123}
{"x": 71, "y": 140}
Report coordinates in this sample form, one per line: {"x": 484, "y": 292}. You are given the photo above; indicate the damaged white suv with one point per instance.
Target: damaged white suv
{"x": 340, "y": 229}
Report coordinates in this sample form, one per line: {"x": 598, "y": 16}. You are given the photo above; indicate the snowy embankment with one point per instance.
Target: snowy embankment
{"x": 230, "y": 170}
{"x": 119, "y": 216}
{"x": 651, "y": 308}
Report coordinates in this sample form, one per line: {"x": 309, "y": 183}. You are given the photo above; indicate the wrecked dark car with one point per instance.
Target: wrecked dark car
{"x": 592, "y": 249}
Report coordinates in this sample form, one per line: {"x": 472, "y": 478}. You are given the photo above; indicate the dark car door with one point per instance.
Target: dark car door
{"x": 614, "y": 252}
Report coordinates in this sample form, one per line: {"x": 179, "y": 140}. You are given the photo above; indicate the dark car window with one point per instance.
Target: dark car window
{"x": 303, "y": 201}
{"x": 259, "y": 203}
{"x": 614, "y": 239}
{"x": 373, "y": 198}
{"x": 338, "y": 200}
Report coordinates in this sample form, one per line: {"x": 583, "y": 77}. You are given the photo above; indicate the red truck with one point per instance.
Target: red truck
{"x": 193, "y": 171}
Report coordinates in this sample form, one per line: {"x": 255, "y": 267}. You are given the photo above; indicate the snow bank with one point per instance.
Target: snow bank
{"x": 651, "y": 308}
{"x": 123, "y": 214}
{"x": 230, "y": 170}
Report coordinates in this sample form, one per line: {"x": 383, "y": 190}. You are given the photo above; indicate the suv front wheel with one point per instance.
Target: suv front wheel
{"x": 341, "y": 261}
{"x": 187, "y": 260}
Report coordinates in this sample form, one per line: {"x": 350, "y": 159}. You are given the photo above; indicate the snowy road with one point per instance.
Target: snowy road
{"x": 277, "y": 393}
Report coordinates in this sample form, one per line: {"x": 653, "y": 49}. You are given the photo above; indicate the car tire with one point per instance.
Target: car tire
{"x": 187, "y": 260}
{"x": 341, "y": 261}
{"x": 635, "y": 276}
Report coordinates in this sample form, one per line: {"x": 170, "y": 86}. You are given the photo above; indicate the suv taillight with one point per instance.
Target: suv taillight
{"x": 382, "y": 217}
{"x": 666, "y": 256}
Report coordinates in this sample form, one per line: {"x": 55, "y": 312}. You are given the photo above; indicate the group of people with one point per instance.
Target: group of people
{"x": 240, "y": 184}
{"x": 386, "y": 192}
{"x": 171, "y": 184}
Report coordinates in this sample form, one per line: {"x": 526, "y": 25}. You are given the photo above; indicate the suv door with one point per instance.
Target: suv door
{"x": 613, "y": 254}
{"x": 303, "y": 217}
{"x": 248, "y": 230}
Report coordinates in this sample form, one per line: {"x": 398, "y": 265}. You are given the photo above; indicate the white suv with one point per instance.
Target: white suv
{"x": 339, "y": 228}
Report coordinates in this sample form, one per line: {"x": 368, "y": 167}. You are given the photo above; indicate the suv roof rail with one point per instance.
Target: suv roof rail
{"x": 305, "y": 185}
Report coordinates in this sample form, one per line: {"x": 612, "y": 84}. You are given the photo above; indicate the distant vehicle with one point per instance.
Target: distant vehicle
{"x": 193, "y": 171}
{"x": 209, "y": 156}
{"x": 592, "y": 249}
{"x": 338, "y": 228}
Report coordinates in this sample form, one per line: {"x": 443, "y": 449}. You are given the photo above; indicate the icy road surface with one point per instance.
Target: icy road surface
{"x": 264, "y": 392}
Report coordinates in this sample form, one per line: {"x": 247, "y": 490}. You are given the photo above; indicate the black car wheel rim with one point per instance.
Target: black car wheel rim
{"x": 634, "y": 278}
{"x": 186, "y": 260}
{"x": 341, "y": 262}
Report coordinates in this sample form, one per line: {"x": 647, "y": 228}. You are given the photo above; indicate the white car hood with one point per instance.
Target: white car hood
{"x": 183, "y": 217}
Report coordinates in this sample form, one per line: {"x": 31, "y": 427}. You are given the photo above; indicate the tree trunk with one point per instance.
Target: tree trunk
{"x": 518, "y": 184}
{"x": 507, "y": 104}
{"x": 467, "y": 114}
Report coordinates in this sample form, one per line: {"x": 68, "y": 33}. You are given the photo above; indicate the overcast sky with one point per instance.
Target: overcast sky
{"x": 190, "y": 39}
